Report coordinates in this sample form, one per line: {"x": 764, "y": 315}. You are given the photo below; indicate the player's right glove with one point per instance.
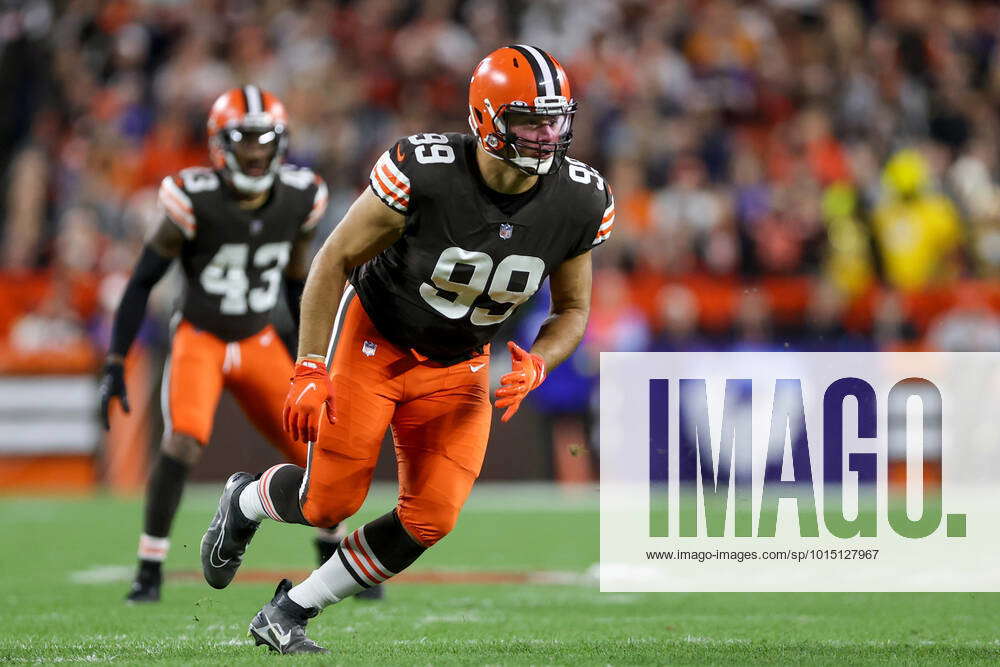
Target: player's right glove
{"x": 112, "y": 386}
{"x": 310, "y": 393}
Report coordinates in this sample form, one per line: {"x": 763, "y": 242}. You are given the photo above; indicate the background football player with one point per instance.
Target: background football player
{"x": 454, "y": 232}
{"x": 242, "y": 231}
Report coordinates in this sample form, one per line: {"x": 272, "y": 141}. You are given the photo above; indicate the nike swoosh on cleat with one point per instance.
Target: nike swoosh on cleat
{"x": 311, "y": 385}
{"x": 216, "y": 548}
{"x": 474, "y": 368}
{"x": 274, "y": 630}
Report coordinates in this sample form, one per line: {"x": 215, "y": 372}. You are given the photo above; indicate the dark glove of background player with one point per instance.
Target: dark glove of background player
{"x": 113, "y": 386}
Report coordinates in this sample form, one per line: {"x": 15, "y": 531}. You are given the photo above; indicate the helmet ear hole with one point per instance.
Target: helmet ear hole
{"x": 479, "y": 114}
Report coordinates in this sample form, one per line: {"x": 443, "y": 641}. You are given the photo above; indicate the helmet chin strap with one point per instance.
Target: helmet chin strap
{"x": 249, "y": 184}
{"x": 529, "y": 165}
{"x": 252, "y": 185}
{"x": 540, "y": 167}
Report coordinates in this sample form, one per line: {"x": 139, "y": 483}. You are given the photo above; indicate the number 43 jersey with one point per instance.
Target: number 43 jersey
{"x": 233, "y": 258}
{"x": 462, "y": 266}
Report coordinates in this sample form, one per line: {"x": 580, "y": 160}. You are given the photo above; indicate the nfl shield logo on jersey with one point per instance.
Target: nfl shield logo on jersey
{"x": 506, "y": 230}
{"x": 256, "y": 226}
{"x": 368, "y": 348}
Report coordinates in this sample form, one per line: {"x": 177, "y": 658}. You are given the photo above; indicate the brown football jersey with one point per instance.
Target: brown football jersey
{"x": 233, "y": 258}
{"x": 462, "y": 266}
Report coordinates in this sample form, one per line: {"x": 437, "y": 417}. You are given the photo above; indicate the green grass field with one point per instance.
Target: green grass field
{"x": 65, "y": 564}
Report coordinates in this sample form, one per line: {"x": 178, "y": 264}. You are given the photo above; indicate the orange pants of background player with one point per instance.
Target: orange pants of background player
{"x": 440, "y": 418}
{"x": 255, "y": 370}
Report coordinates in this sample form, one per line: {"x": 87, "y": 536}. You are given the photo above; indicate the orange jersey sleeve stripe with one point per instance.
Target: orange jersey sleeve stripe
{"x": 318, "y": 207}
{"x": 393, "y": 178}
{"x": 169, "y": 199}
{"x": 170, "y": 188}
{"x": 177, "y": 206}
{"x": 400, "y": 200}
{"x": 607, "y": 222}
{"x": 604, "y": 231}
{"x": 390, "y": 184}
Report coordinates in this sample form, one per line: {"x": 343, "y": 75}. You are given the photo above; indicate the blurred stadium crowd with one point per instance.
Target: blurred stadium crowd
{"x": 791, "y": 174}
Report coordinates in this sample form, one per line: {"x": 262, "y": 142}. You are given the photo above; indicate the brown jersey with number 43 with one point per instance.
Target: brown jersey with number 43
{"x": 233, "y": 258}
{"x": 462, "y": 266}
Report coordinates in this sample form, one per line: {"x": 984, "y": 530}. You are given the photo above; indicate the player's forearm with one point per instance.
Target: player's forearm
{"x": 560, "y": 335}
{"x": 320, "y": 299}
{"x": 132, "y": 308}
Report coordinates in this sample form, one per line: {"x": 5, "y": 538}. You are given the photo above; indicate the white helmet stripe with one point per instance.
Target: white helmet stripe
{"x": 255, "y": 102}
{"x": 548, "y": 75}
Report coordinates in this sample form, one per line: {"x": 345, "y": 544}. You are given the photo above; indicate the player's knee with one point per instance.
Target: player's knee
{"x": 427, "y": 525}
{"x": 182, "y": 447}
{"x": 328, "y": 513}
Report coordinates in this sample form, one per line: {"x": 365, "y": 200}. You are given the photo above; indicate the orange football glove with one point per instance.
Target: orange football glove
{"x": 310, "y": 393}
{"x": 528, "y": 372}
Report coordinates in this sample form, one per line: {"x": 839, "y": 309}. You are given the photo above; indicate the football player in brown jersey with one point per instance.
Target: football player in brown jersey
{"x": 241, "y": 231}
{"x": 454, "y": 232}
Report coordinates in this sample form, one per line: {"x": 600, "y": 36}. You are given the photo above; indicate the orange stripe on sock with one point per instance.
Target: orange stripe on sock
{"x": 263, "y": 486}
{"x": 364, "y": 570}
{"x": 357, "y": 545}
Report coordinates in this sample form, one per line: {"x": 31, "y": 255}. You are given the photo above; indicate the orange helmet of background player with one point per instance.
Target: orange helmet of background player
{"x": 241, "y": 121}
{"x": 516, "y": 84}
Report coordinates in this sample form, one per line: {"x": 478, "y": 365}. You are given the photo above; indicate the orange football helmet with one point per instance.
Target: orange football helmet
{"x": 521, "y": 108}
{"x": 248, "y": 137}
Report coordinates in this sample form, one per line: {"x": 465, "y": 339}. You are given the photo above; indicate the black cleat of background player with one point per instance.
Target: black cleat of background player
{"x": 325, "y": 550}
{"x": 146, "y": 587}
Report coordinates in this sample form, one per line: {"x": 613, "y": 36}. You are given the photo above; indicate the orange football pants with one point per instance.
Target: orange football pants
{"x": 440, "y": 418}
{"x": 255, "y": 370}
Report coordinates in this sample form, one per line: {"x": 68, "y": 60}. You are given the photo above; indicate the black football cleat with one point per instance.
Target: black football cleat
{"x": 227, "y": 536}
{"x": 373, "y": 593}
{"x": 281, "y": 624}
{"x": 146, "y": 586}
{"x": 325, "y": 550}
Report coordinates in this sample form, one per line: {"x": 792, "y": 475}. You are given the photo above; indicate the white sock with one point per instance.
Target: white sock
{"x": 250, "y": 503}
{"x": 255, "y": 503}
{"x": 313, "y": 592}
{"x": 153, "y": 548}
{"x": 341, "y": 576}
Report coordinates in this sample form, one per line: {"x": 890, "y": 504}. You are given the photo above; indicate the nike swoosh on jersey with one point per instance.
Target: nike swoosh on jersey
{"x": 399, "y": 154}
{"x": 311, "y": 385}
{"x": 474, "y": 368}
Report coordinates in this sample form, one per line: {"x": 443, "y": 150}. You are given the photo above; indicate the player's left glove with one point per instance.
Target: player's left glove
{"x": 528, "y": 372}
